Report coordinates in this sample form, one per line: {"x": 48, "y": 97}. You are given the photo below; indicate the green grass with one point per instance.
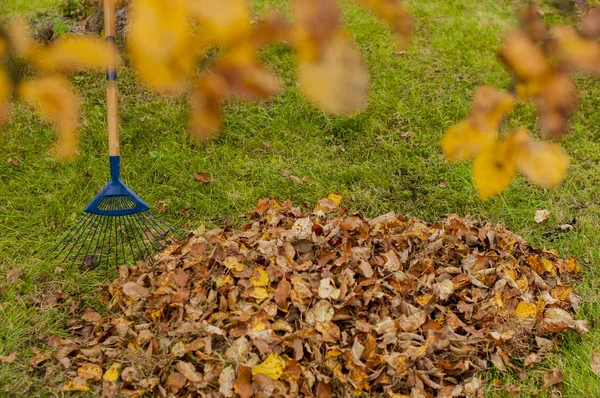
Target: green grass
{"x": 421, "y": 92}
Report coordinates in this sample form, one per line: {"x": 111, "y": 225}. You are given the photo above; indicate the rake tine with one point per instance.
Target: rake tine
{"x": 101, "y": 235}
{"x": 162, "y": 233}
{"x": 178, "y": 235}
{"x": 72, "y": 232}
{"x": 79, "y": 237}
{"x": 133, "y": 234}
{"x": 136, "y": 235}
{"x": 141, "y": 227}
{"x": 91, "y": 241}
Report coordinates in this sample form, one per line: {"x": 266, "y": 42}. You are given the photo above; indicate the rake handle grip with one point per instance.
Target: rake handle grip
{"x": 111, "y": 76}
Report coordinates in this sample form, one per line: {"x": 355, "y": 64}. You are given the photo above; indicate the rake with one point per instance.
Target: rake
{"x": 118, "y": 226}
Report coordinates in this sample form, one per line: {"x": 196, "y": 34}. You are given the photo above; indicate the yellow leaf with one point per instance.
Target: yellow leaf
{"x": 561, "y": 292}
{"x": 77, "y": 384}
{"x": 259, "y": 293}
{"x": 259, "y": 278}
{"x": 90, "y": 371}
{"x": 572, "y": 267}
{"x": 272, "y": 366}
{"x": 462, "y": 141}
{"x": 71, "y": 53}
{"x": 543, "y": 163}
{"x": 54, "y": 99}
{"x": 424, "y": 299}
{"x": 576, "y": 50}
{"x": 222, "y": 20}
{"x": 525, "y": 310}
{"x": 234, "y": 265}
{"x": 336, "y": 198}
{"x": 160, "y": 43}
{"x": 395, "y": 14}
{"x": 495, "y": 167}
{"x": 337, "y": 82}
{"x": 549, "y": 267}
{"x": 222, "y": 281}
{"x": 112, "y": 374}
{"x": 5, "y": 89}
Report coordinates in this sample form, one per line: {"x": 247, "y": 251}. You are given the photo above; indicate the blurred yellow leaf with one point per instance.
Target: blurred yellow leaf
{"x": 259, "y": 278}
{"x": 395, "y": 14}
{"x": 112, "y": 374}
{"x": 338, "y": 81}
{"x": 466, "y": 138}
{"x": 19, "y": 37}
{"x": 53, "y": 98}
{"x": 495, "y": 167}
{"x": 543, "y": 163}
{"x": 160, "y": 44}
{"x": 71, "y": 53}
{"x": 523, "y": 57}
{"x": 462, "y": 141}
{"x": 575, "y": 50}
{"x": 525, "y": 310}
{"x": 5, "y": 90}
{"x": 222, "y": 20}
{"x": 489, "y": 107}
{"x": 272, "y": 366}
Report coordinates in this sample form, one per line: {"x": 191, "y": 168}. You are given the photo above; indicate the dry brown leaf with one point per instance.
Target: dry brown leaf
{"x": 202, "y": 177}
{"x": 552, "y": 377}
{"x": 10, "y": 358}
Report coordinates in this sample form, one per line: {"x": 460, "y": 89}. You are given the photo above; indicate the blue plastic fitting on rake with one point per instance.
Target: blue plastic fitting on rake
{"x": 116, "y": 188}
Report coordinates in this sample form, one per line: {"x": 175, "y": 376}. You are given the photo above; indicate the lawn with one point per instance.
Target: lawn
{"x": 387, "y": 158}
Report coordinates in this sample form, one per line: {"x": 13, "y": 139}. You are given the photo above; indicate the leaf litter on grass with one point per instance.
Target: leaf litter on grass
{"x": 324, "y": 303}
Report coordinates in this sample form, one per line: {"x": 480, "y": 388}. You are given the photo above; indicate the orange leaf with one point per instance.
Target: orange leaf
{"x": 54, "y": 99}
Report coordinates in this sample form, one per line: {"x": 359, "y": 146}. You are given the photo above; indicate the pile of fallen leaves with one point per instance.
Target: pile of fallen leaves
{"x": 324, "y": 304}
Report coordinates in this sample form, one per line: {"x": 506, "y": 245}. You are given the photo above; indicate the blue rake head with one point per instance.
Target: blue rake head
{"x": 118, "y": 228}
{"x": 116, "y": 199}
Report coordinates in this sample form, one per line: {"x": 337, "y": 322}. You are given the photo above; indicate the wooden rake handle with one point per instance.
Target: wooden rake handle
{"x": 111, "y": 76}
